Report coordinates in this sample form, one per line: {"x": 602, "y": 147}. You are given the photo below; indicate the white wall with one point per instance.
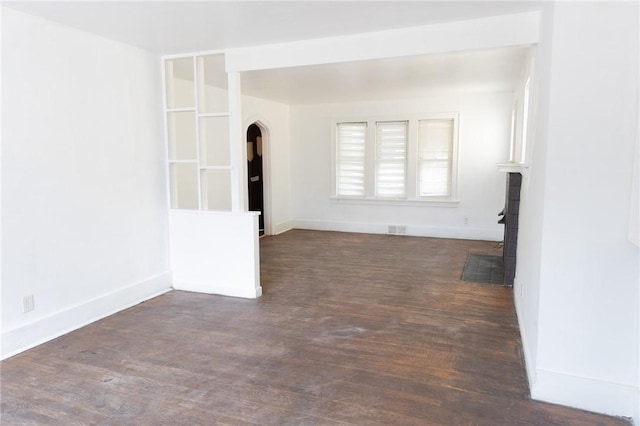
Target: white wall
{"x": 275, "y": 117}
{"x": 277, "y": 167}
{"x": 484, "y": 125}
{"x": 215, "y": 252}
{"x": 575, "y": 213}
{"x": 471, "y": 34}
{"x": 526, "y": 287}
{"x": 84, "y": 211}
{"x": 519, "y": 104}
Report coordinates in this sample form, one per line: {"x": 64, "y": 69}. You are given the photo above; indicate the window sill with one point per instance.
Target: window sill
{"x": 384, "y": 202}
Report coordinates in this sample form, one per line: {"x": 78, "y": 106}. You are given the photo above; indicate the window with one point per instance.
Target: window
{"x": 512, "y": 137}
{"x": 525, "y": 122}
{"x": 435, "y": 152}
{"x": 397, "y": 159}
{"x": 350, "y": 159}
{"x": 391, "y": 159}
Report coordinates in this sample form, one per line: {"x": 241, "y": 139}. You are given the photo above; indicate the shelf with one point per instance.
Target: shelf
{"x": 216, "y": 189}
{"x": 212, "y": 83}
{"x": 197, "y": 118}
{"x": 214, "y": 141}
{"x": 179, "y": 83}
{"x": 182, "y": 135}
{"x": 183, "y": 180}
{"x": 213, "y": 114}
{"x": 215, "y": 167}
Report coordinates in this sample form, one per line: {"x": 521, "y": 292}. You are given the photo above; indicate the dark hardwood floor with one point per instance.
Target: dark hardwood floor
{"x": 352, "y": 329}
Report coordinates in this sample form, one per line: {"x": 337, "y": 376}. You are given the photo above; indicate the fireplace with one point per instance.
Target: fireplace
{"x": 510, "y": 220}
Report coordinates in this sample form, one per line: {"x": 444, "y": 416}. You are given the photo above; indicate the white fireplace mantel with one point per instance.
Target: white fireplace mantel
{"x": 513, "y": 167}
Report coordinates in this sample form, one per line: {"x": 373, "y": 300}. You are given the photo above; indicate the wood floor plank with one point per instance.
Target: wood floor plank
{"x": 352, "y": 329}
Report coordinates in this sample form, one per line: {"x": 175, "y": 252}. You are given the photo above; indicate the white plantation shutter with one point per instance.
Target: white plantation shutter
{"x": 391, "y": 159}
{"x": 435, "y": 149}
{"x": 351, "y": 139}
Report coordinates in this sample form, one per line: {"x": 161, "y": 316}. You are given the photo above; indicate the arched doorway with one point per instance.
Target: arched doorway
{"x": 255, "y": 172}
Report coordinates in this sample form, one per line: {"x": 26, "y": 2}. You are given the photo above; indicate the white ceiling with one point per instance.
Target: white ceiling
{"x": 170, "y": 27}
{"x": 494, "y": 70}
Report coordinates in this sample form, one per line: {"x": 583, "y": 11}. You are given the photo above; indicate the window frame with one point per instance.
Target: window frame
{"x": 525, "y": 120}
{"x": 453, "y": 193}
{"x": 412, "y": 196}
{"x": 376, "y": 168}
{"x": 335, "y": 163}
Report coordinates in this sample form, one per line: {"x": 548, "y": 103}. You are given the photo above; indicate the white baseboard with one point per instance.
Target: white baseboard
{"x": 49, "y": 327}
{"x": 636, "y": 413}
{"x": 576, "y": 391}
{"x": 466, "y": 233}
{"x": 590, "y": 394}
{"x": 283, "y": 227}
{"x": 529, "y": 365}
{"x": 221, "y": 289}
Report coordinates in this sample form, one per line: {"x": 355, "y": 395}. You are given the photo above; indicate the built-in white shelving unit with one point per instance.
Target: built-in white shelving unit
{"x": 197, "y": 109}
{"x": 213, "y": 238}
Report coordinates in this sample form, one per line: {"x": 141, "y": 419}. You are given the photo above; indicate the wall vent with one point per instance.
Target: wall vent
{"x": 397, "y": 230}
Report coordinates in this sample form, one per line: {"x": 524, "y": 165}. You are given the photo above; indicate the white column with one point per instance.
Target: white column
{"x": 239, "y": 187}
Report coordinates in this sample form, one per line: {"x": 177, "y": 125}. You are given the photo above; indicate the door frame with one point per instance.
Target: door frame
{"x": 266, "y": 168}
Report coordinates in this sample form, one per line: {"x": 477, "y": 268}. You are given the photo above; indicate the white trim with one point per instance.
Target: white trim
{"x": 506, "y": 30}
{"x": 526, "y": 110}
{"x": 465, "y": 233}
{"x": 183, "y": 109}
{"x": 196, "y": 100}
{"x": 422, "y": 202}
{"x": 265, "y": 131}
{"x": 636, "y": 415}
{"x": 183, "y": 161}
{"x": 219, "y": 288}
{"x": 215, "y": 168}
{"x": 49, "y": 327}
{"x": 513, "y": 167}
{"x": 237, "y": 150}
{"x": 587, "y": 393}
{"x": 213, "y": 114}
{"x": 198, "y": 53}
{"x": 529, "y": 365}
{"x": 283, "y": 227}
{"x": 412, "y": 159}
{"x": 454, "y": 172}
{"x": 165, "y": 131}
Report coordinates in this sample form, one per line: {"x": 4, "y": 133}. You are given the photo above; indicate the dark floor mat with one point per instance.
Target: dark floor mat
{"x": 483, "y": 268}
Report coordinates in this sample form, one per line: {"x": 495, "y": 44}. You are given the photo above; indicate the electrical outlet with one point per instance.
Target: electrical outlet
{"x": 28, "y": 304}
{"x": 465, "y": 221}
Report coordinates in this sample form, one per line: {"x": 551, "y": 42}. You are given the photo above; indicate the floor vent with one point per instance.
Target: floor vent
{"x": 397, "y": 230}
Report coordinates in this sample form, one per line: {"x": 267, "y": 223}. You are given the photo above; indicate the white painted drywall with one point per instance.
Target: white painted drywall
{"x": 484, "y": 33}
{"x": 215, "y": 252}
{"x": 484, "y": 128}
{"x": 277, "y": 166}
{"x": 575, "y": 213}
{"x": 84, "y": 211}
{"x": 527, "y": 280}
{"x": 519, "y": 105}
